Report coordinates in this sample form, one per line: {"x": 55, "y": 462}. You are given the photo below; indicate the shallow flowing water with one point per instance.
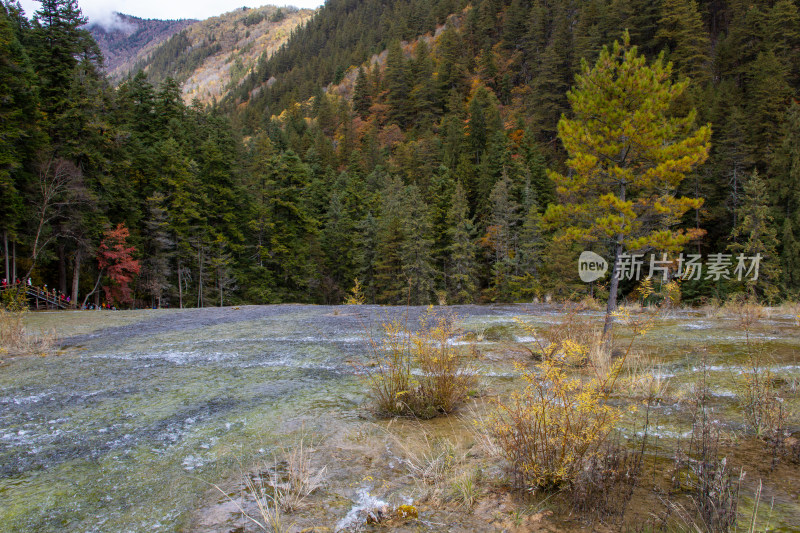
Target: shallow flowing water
{"x": 129, "y": 425}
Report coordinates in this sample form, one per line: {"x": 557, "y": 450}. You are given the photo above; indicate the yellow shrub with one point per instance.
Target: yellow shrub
{"x": 356, "y": 296}
{"x": 419, "y": 373}
{"x": 557, "y": 422}
{"x": 552, "y": 426}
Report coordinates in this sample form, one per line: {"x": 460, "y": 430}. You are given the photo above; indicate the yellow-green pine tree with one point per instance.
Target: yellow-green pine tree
{"x": 627, "y": 155}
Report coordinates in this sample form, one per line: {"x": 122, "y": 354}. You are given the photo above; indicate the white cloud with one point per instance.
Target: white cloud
{"x": 101, "y": 10}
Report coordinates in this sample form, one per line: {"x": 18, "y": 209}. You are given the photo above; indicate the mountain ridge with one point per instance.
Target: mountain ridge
{"x": 207, "y": 57}
{"x": 128, "y": 38}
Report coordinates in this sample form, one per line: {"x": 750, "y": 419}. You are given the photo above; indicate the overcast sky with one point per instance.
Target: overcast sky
{"x": 101, "y": 10}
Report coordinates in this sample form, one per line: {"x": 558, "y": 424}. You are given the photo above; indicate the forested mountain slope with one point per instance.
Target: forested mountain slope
{"x": 477, "y": 100}
{"x": 405, "y": 143}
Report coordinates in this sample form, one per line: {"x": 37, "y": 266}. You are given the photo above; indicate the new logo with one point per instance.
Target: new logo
{"x": 591, "y": 267}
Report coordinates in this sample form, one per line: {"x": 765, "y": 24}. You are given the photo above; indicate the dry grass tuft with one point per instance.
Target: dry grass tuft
{"x": 701, "y": 471}
{"x": 640, "y": 379}
{"x": 294, "y": 479}
{"x": 282, "y": 487}
{"x": 442, "y": 467}
{"x": 12, "y": 331}
{"x": 758, "y": 397}
{"x": 744, "y": 309}
{"x": 786, "y": 308}
{"x": 14, "y": 340}
{"x": 268, "y": 506}
{"x": 431, "y": 461}
{"x": 590, "y": 304}
{"x": 712, "y": 308}
{"x": 604, "y": 487}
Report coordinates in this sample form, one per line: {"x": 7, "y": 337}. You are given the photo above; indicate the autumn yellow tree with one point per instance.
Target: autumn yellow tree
{"x": 628, "y": 152}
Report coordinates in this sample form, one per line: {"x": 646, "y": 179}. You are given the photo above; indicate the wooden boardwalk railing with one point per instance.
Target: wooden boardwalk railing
{"x": 39, "y": 295}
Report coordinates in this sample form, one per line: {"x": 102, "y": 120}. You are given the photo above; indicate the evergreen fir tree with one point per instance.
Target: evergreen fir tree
{"x": 682, "y": 32}
{"x": 338, "y": 246}
{"x": 785, "y": 197}
{"x": 362, "y": 95}
{"x": 642, "y": 21}
{"x": 782, "y": 32}
{"x": 156, "y": 269}
{"x": 397, "y": 85}
{"x": 462, "y": 267}
{"x": 768, "y": 95}
{"x": 438, "y": 197}
{"x": 484, "y": 120}
{"x": 789, "y": 265}
{"x": 501, "y": 237}
{"x": 19, "y": 133}
{"x": 366, "y": 254}
{"x": 391, "y": 284}
{"x": 525, "y": 282}
{"x": 756, "y": 236}
{"x": 292, "y": 228}
{"x": 589, "y": 35}
{"x": 738, "y": 48}
{"x": 732, "y": 160}
{"x": 417, "y": 248}
{"x": 552, "y": 80}
{"x": 60, "y": 40}
{"x": 451, "y": 71}
{"x": 423, "y": 94}
{"x": 514, "y": 25}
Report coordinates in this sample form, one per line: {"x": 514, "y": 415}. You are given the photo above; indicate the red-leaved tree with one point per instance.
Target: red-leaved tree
{"x": 115, "y": 259}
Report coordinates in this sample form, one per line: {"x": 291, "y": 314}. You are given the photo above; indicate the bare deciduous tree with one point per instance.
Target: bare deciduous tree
{"x": 59, "y": 186}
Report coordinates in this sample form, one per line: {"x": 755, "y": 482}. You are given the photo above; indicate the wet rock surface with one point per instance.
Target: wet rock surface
{"x": 129, "y": 426}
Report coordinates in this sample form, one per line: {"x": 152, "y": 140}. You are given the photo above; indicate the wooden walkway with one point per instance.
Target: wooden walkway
{"x": 39, "y": 296}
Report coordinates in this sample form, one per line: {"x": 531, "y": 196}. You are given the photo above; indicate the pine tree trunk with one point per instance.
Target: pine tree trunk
{"x": 199, "y": 276}
{"x": 697, "y": 211}
{"x": 612, "y": 294}
{"x": 5, "y": 252}
{"x": 62, "y": 269}
{"x": 613, "y": 289}
{"x": 180, "y": 286}
{"x": 14, "y": 259}
{"x": 76, "y": 277}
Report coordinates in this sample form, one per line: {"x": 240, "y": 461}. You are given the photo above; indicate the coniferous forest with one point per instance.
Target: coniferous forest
{"x": 412, "y": 145}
